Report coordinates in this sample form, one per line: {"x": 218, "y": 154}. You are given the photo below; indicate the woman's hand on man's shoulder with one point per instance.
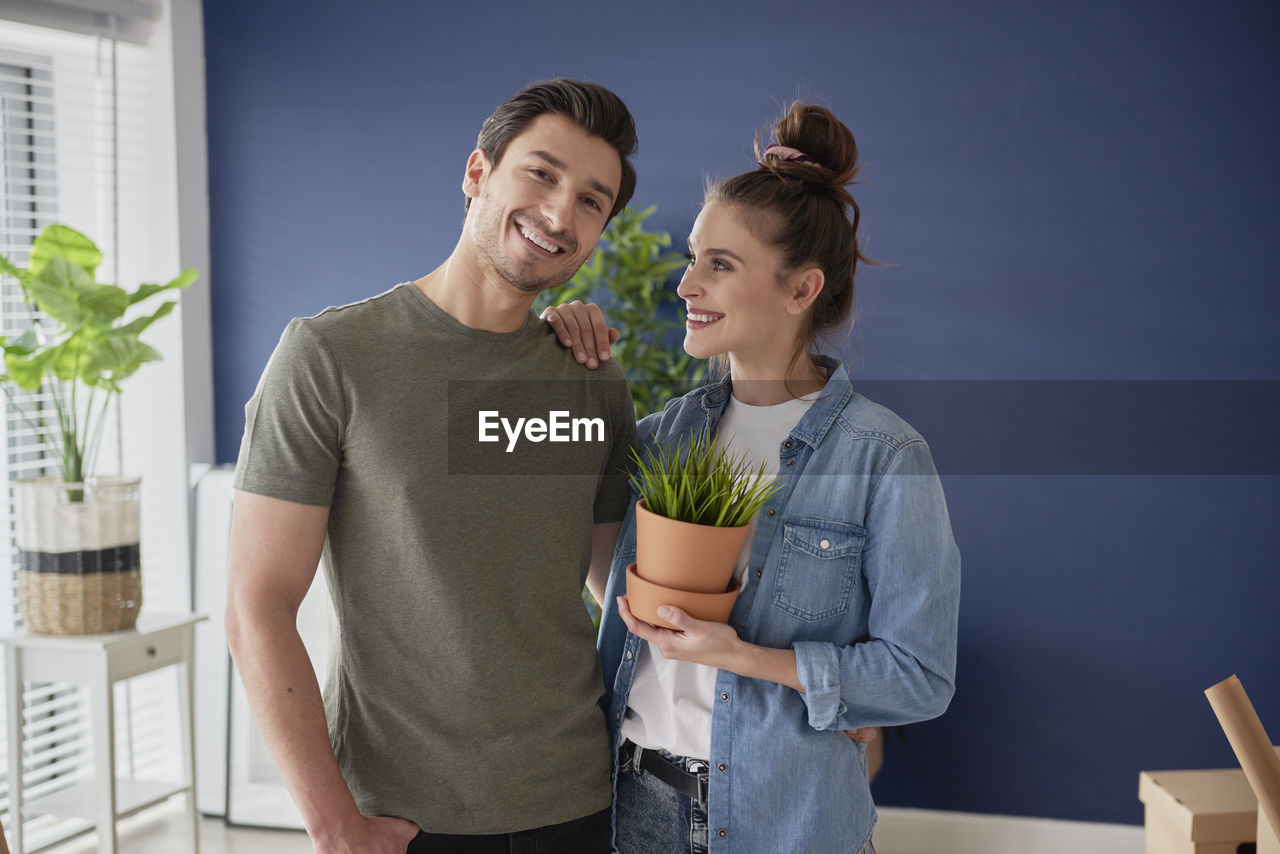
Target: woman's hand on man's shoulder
{"x": 581, "y": 327}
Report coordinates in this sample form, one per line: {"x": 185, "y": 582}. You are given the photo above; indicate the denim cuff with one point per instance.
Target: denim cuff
{"x": 818, "y": 665}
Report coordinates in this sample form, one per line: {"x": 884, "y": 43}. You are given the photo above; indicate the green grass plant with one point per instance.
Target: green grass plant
{"x": 701, "y": 483}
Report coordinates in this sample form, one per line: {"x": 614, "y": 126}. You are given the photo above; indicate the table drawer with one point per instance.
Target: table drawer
{"x": 136, "y": 655}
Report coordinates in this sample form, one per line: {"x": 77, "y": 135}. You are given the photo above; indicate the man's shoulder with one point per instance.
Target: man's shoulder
{"x": 371, "y": 327}
{"x": 340, "y": 318}
{"x": 550, "y": 355}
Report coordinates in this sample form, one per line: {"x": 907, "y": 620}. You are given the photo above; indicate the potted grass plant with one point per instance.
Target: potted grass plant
{"x": 78, "y": 533}
{"x": 696, "y": 504}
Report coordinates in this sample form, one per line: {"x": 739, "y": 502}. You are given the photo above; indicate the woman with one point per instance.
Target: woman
{"x": 730, "y": 737}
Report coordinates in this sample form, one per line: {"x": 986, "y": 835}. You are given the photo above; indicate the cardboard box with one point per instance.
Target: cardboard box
{"x": 1197, "y": 812}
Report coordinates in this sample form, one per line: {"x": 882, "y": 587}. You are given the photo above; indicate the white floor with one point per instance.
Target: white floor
{"x": 163, "y": 830}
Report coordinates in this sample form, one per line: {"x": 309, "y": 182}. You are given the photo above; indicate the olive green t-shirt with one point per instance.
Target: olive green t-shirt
{"x": 463, "y": 689}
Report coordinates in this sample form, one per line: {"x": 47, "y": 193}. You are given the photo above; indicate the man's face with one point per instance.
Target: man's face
{"x": 537, "y": 216}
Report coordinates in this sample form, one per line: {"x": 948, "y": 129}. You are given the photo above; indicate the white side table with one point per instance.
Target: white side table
{"x": 99, "y": 661}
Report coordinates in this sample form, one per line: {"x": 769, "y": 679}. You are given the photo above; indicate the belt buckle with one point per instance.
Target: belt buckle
{"x": 629, "y": 755}
{"x": 702, "y": 772}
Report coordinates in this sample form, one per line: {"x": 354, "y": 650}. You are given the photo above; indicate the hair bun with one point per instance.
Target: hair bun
{"x": 821, "y": 140}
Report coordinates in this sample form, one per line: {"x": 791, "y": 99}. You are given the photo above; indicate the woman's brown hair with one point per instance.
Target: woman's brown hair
{"x": 803, "y": 207}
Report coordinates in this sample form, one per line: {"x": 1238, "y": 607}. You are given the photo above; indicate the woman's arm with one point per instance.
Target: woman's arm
{"x": 718, "y": 645}
{"x": 905, "y": 670}
{"x": 713, "y": 644}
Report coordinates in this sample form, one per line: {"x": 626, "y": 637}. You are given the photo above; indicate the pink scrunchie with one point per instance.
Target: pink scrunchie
{"x": 782, "y": 152}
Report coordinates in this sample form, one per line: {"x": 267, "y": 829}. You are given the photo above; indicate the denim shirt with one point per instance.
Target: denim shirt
{"x": 854, "y": 567}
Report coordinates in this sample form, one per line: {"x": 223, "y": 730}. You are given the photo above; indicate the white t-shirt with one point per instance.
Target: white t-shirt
{"x": 670, "y": 702}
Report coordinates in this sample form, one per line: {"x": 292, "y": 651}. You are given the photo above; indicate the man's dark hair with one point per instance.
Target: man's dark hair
{"x": 590, "y": 106}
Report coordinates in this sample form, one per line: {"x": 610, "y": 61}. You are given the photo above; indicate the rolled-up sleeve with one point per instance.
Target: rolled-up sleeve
{"x": 904, "y": 671}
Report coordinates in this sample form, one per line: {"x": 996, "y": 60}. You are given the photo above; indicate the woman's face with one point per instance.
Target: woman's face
{"x": 733, "y": 299}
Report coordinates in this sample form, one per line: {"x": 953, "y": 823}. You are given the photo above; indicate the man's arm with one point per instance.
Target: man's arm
{"x": 274, "y": 551}
{"x": 604, "y": 536}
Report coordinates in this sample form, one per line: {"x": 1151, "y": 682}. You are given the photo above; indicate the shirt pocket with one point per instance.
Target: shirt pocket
{"x": 818, "y": 568}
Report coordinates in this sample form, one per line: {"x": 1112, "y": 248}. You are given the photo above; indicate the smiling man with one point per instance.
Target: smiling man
{"x": 461, "y": 708}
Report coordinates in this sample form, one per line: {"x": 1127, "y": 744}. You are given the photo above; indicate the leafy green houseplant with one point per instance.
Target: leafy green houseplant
{"x": 77, "y": 345}
{"x": 627, "y": 276}
{"x": 77, "y": 534}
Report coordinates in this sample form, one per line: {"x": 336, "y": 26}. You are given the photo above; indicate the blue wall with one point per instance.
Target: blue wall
{"x": 1064, "y": 193}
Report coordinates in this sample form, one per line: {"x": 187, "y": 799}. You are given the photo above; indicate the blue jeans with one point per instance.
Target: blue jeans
{"x": 653, "y": 818}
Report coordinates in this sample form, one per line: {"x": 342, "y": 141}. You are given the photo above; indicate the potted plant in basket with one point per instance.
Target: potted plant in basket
{"x": 695, "y": 510}
{"x": 77, "y": 533}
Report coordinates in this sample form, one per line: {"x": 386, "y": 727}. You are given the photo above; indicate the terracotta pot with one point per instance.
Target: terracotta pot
{"x": 684, "y": 556}
{"x": 644, "y": 597}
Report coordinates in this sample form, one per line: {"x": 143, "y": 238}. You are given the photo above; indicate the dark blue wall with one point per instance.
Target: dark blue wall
{"x": 1084, "y": 193}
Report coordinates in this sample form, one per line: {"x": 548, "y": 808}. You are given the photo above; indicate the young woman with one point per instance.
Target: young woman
{"x": 731, "y": 737}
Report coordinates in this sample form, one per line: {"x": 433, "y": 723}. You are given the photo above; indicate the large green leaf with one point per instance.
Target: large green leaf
{"x": 60, "y": 241}
{"x": 69, "y": 295}
{"x": 103, "y": 303}
{"x": 56, "y": 291}
{"x": 70, "y": 357}
{"x": 138, "y": 325}
{"x": 24, "y": 344}
{"x": 184, "y": 278}
{"x": 28, "y": 371}
{"x": 8, "y": 268}
{"x": 117, "y": 355}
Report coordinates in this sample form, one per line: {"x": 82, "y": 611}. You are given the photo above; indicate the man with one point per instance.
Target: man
{"x": 396, "y": 437}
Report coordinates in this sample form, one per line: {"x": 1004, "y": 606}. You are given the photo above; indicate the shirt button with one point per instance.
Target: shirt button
{"x": 723, "y": 767}
{"x": 772, "y": 512}
{"x": 628, "y": 656}
{"x": 788, "y": 444}
{"x": 724, "y": 697}
{"x": 759, "y": 572}
{"x": 826, "y": 544}
{"x": 722, "y": 833}
{"x": 790, "y": 463}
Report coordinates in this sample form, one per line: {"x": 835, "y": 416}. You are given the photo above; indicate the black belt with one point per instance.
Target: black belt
{"x": 690, "y": 783}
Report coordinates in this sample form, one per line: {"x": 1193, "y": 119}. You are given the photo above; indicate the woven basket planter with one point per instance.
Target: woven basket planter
{"x": 79, "y": 570}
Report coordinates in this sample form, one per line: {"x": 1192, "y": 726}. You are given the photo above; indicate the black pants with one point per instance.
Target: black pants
{"x": 588, "y": 835}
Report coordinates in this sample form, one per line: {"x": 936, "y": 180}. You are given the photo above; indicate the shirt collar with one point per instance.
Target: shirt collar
{"x": 815, "y": 423}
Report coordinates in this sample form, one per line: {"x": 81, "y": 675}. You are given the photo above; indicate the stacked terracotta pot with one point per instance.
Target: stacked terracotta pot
{"x": 685, "y": 565}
